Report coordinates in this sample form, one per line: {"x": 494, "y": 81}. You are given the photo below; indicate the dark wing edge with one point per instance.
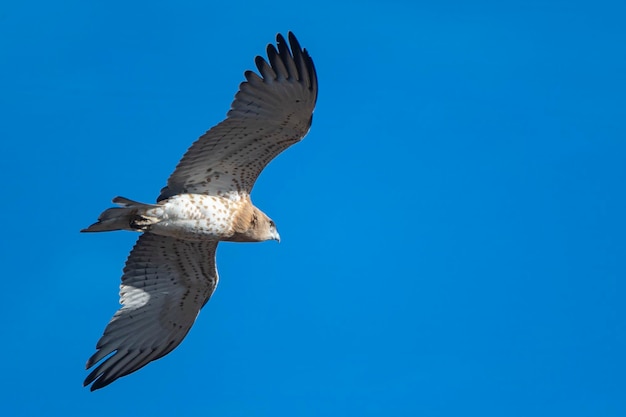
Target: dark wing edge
{"x": 295, "y": 65}
{"x": 166, "y": 282}
{"x": 280, "y": 101}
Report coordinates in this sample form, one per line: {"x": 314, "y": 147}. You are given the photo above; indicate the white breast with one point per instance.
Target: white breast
{"x": 196, "y": 217}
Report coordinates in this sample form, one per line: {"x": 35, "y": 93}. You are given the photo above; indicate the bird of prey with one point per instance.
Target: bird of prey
{"x": 170, "y": 274}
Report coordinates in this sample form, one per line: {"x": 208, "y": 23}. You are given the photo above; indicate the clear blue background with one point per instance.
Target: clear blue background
{"x": 453, "y": 226}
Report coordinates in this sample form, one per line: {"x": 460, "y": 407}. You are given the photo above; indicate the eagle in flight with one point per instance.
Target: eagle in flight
{"x": 170, "y": 274}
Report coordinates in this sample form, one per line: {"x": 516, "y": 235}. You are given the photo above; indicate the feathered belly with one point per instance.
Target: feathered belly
{"x": 195, "y": 217}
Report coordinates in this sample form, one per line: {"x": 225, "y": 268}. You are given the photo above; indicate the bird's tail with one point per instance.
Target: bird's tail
{"x": 131, "y": 215}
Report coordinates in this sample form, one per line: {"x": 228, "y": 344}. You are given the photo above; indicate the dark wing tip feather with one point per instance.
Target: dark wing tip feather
{"x": 278, "y": 62}
{"x": 266, "y": 70}
{"x": 98, "y": 378}
{"x": 289, "y": 62}
{"x": 301, "y": 53}
{"x": 101, "y": 375}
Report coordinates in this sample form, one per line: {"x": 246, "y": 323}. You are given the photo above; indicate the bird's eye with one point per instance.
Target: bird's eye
{"x": 272, "y": 224}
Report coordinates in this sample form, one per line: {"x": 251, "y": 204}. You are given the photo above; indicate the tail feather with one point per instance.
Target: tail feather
{"x": 129, "y": 216}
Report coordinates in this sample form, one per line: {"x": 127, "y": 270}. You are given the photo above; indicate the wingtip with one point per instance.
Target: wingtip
{"x": 96, "y": 379}
{"x": 95, "y": 386}
{"x": 93, "y": 228}
{"x": 86, "y": 382}
{"x": 298, "y": 50}
{"x": 293, "y": 41}
{"x": 280, "y": 38}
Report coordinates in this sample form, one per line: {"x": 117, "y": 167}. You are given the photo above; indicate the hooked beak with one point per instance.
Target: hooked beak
{"x": 277, "y": 237}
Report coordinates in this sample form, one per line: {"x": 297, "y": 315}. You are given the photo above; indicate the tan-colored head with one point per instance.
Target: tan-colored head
{"x": 252, "y": 225}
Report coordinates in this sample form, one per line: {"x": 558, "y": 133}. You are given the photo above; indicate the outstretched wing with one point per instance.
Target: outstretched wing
{"x": 165, "y": 284}
{"x": 269, "y": 114}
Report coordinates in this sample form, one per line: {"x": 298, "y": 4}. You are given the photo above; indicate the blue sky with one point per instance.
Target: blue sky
{"x": 453, "y": 232}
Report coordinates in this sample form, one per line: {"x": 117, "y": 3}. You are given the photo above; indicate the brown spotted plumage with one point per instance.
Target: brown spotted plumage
{"x": 170, "y": 274}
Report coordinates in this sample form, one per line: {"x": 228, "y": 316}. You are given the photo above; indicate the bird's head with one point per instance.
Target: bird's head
{"x": 265, "y": 228}
{"x": 255, "y": 226}
{"x": 274, "y": 232}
